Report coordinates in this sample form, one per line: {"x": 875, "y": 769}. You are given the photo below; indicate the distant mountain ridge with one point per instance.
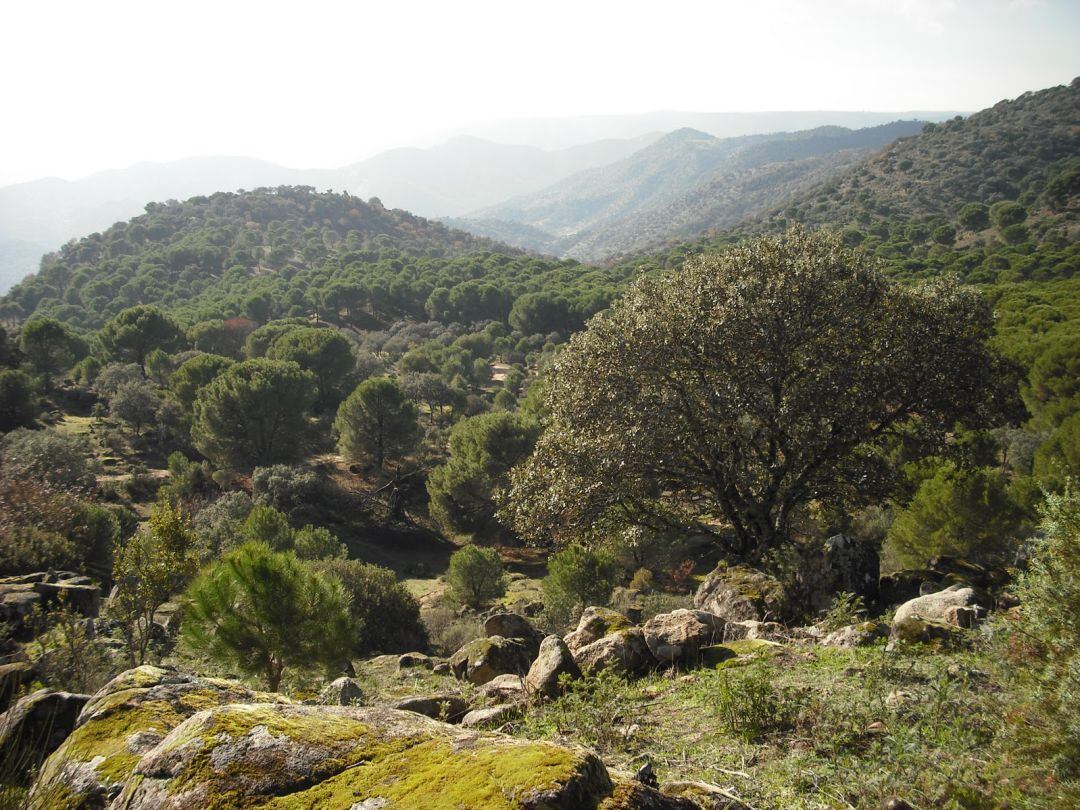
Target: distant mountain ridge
{"x": 678, "y": 187}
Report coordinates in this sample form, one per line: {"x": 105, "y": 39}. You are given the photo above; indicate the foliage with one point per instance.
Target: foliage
{"x": 135, "y": 403}
{"x": 317, "y": 543}
{"x": 18, "y": 400}
{"x": 218, "y": 525}
{"x": 1058, "y": 456}
{"x": 323, "y": 352}
{"x": 577, "y": 577}
{"x": 48, "y": 345}
{"x": 195, "y": 373}
{"x": 376, "y": 421}
{"x": 147, "y": 569}
{"x": 286, "y": 488}
{"x": 386, "y": 616}
{"x": 846, "y": 609}
{"x": 188, "y": 480}
{"x": 266, "y": 525}
{"x": 744, "y": 386}
{"x": 956, "y": 511}
{"x": 112, "y": 377}
{"x": 133, "y": 333}
{"x": 262, "y": 611}
{"x": 50, "y": 456}
{"x": 253, "y": 414}
{"x": 1042, "y": 642}
{"x": 482, "y": 450}
{"x": 475, "y": 576}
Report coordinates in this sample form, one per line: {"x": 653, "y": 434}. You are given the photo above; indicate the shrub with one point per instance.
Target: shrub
{"x": 642, "y": 580}
{"x": 49, "y": 456}
{"x": 284, "y": 487}
{"x": 475, "y": 576}
{"x": 1042, "y": 642}
{"x": 317, "y": 543}
{"x": 18, "y": 402}
{"x": 218, "y": 525}
{"x": 262, "y": 611}
{"x": 962, "y": 512}
{"x": 577, "y": 577}
{"x": 265, "y": 524}
{"x": 748, "y": 704}
{"x": 386, "y": 615}
{"x": 376, "y": 422}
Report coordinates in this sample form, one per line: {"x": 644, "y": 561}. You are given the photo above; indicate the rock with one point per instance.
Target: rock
{"x": 441, "y": 668}
{"x": 941, "y": 606}
{"x": 942, "y": 571}
{"x": 170, "y": 616}
{"x": 411, "y": 660}
{"x": 342, "y": 757}
{"x": 505, "y": 688}
{"x": 13, "y": 677}
{"x": 623, "y": 650}
{"x": 553, "y": 661}
{"x": 916, "y": 630}
{"x": 751, "y": 629}
{"x": 737, "y": 593}
{"x": 482, "y": 659}
{"x": 509, "y": 625}
{"x": 446, "y": 707}
{"x": 125, "y": 718}
{"x": 715, "y": 654}
{"x": 629, "y": 794}
{"x": 341, "y": 692}
{"x": 856, "y": 635}
{"x": 678, "y": 636}
{"x": 491, "y": 716}
{"x": 81, "y": 598}
{"x": 895, "y": 803}
{"x": 594, "y": 624}
{"x": 841, "y": 563}
{"x": 17, "y": 604}
{"x": 36, "y": 726}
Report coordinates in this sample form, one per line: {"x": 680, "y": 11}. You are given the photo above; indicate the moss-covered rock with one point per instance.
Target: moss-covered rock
{"x": 290, "y": 756}
{"x": 124, "y": 719}
{"x": 737, "y": 593}
{"x": 484, "y": 658}
{"x": 623, "y": 651}
{"x": 594, "y": 624}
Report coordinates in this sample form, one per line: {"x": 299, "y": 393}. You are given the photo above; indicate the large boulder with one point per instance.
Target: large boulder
{"x": 447, "y": 707}
{"x": 840, "y": 564}
{"x": 594, "y": 624}
{"x": 957, "y": 605}
{"x": 125, "y": 718}
{"x": 514, "y": 625}
{"x": 491, "y": 716}
{"x": 940, "y": 573}
{"x": 340, "y": 757}
{"x": 624, "y": 651}
{"x": 677, "y": 637}
{"x": 856, "y": 635}
{"x": 81, "y": 598}
{"x": 13, "y": 677}
{"x": 738, "y": 593}
{"x": 553, "y": 661}
{"x": 482, "y": 659}
{"x": 36, "y": 725}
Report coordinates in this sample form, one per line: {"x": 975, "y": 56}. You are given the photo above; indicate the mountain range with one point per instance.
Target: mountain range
{"x": 674, "y": 189}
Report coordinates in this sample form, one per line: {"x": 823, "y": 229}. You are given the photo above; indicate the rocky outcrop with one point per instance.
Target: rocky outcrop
{"x": 594, "y": 624}
{"x": 506, "y": 688}
{"x": 677, "y": 637}
{"x": 840, "y": 564}
{"x": 515, "y": 626}
{"x": 956, "y": 605}
{"x": 37, "y": 724}
{"x": 553, "y": 662}
{"x": 126, "y": 718}
{"x": 350, "y": 757}
{"x": 916, "y": 630}
{"x": 491, "y": 716}
{"x": 940, "y": 573}
{"x": 623, "y": 650}
{"x": 738, "y": 593}
{"x": 482, "y": 659}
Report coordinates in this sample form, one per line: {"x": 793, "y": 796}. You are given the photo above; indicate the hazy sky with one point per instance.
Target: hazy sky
{"x": 95, "y": 85}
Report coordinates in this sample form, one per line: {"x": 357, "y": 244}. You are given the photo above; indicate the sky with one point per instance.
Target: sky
{"x": 92, "y": 86}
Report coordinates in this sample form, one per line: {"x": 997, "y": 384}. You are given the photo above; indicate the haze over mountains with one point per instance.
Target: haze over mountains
{"x": 462, "y": 175}
{"x": 676, "y": 188}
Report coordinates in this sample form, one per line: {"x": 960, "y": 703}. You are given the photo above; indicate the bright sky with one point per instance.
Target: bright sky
{"x": 95, "y": 85}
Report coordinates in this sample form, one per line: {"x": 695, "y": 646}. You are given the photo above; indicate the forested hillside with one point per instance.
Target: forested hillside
{"x": 709, "y": 181}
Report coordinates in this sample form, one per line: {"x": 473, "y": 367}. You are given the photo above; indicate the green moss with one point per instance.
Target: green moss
{"x": 750, "y": 646}
{"x": 438, "y": 774}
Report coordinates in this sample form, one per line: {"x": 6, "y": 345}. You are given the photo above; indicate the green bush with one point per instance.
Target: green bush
{"x": 577, "y": 577}
{"x": 385, "y": 614}
{"x": 50, "y": 456}
{"x": 475, "y": 576}
{"x": 18, "y": 400}
{"x": 962, "y": 512}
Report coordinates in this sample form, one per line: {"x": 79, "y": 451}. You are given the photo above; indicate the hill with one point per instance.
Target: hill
{"x": 679, "y": 186}
{"x": 190, "y": 255}
{"x": 452, "y": 178}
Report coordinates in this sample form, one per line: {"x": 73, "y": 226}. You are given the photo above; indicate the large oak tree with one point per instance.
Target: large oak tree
{"x": 723, "y": 397}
